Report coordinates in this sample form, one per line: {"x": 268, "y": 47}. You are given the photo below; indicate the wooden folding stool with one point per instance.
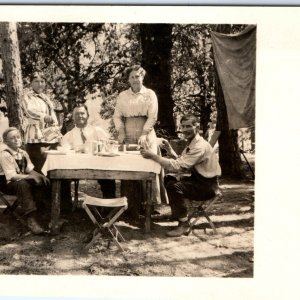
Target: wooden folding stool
{"x": 117, "y": 205}
{"x": 201, "y": 209}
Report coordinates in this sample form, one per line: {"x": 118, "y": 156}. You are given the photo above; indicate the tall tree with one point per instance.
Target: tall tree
{"x": 12, "y": 72}
{"x": 193, "y": 71}
{"x": 156, "y": 43}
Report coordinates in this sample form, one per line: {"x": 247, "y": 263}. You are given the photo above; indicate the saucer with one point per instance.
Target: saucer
{"x": 55, "y": 152}
{"x": 108, "y": 154}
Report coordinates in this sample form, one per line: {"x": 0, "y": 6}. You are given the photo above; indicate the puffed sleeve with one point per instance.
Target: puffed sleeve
{"x": 117, "y": 117}
{"x": 51, "y": 108}
{"x": 151, "y": 112}
{"x": 53, "y": 115}
{"x": 30, "y": 110}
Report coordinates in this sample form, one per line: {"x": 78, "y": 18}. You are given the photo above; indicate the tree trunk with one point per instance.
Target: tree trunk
{"x": 156, "y": 41}
{"x": 12, "y": 72}
{"x": 205, "y": 108}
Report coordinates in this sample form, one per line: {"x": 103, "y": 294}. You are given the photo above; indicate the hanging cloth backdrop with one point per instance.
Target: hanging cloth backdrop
{"x": 235, "y": 62}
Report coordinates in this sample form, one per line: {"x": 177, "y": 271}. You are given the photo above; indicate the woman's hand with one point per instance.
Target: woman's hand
{"x": 143, "y": 141}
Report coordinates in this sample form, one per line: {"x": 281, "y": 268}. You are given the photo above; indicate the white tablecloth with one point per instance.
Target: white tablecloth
{"x": 123, "y": 162}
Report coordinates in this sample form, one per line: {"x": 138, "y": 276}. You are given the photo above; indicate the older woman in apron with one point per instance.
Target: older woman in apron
{"x": 134, "y": 117}
{"x": 40, "y": 122}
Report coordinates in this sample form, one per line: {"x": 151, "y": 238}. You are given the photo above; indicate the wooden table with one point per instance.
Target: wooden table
{"x": 126, "y": 167}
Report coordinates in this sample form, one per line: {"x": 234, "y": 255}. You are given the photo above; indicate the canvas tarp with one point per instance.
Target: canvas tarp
{"x": 235, "y": 58}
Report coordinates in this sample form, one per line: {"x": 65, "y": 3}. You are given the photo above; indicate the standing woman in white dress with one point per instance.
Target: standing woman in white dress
{"x": 134, "y": 117}
{"x": 136, "y": 111}
{"x": 40, "y": 122}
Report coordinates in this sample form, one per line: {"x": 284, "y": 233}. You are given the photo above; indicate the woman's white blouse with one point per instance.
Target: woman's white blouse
{"x": 130, "y": 104}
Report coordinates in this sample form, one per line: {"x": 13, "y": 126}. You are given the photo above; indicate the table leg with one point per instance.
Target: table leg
{"x": 55, "y": 209}
{"x": 148, "y": 206}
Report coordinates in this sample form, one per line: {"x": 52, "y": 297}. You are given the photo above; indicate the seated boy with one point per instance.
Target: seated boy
{"x": 17, "y": 177}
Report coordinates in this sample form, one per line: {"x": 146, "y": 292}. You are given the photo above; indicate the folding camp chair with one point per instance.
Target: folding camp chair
{"x": 117, "y": 205}
{"x": 199, "y": 209}
{"x": 11, "y": 203}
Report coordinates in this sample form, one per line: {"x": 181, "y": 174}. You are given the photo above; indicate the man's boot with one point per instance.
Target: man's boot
{"x": 183, "y": 228}
{"x": 33, "y": 225}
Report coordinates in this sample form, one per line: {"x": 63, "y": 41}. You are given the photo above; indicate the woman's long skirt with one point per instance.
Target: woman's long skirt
{"x": 135, "y": 191}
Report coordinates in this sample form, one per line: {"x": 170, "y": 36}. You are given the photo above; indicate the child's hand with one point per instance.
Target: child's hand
{"x": 38, "y": 178}
{"x": 45, "y": 180}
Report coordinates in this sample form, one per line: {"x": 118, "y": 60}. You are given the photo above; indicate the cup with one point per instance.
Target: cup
{"x": 112, "y": 146}
{"x": 101, "y": 146}
{"x": 90, "y": 147}
{"x": 115, "y": 148}
{"x": 94, "y": 147}
{"x": 78, "y": 148}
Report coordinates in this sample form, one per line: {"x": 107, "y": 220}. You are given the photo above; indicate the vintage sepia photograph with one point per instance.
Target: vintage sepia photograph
{"x": 128, "y": 145}
{"x": 149, "y": 128}
{"x": 128, "y": 142}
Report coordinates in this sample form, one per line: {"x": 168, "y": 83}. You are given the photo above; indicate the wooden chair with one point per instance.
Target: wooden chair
{"x": 117, "y": 206}
{"x": 198, "y": 209}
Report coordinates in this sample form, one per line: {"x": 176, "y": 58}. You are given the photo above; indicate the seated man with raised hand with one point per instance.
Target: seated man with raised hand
{"x": 83, "y": 133}
{"x": 198, "y": 158}
{"x": 17, "y": 177}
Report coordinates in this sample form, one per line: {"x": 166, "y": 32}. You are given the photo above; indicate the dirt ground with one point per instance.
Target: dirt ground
{"x": 229, "y": 253}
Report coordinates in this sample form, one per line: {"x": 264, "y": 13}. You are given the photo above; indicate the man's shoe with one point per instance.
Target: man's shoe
{"x": 183, "y": 228}
{"x": 34, "y": 227}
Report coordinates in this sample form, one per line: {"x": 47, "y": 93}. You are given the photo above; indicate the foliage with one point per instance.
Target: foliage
{"x": 193, "y": 71}
{"x": 84, "y": 60}
{"x": 129, "y": 38}
{"x": 193, "y": 74}
{"x": 80, "y": 59}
